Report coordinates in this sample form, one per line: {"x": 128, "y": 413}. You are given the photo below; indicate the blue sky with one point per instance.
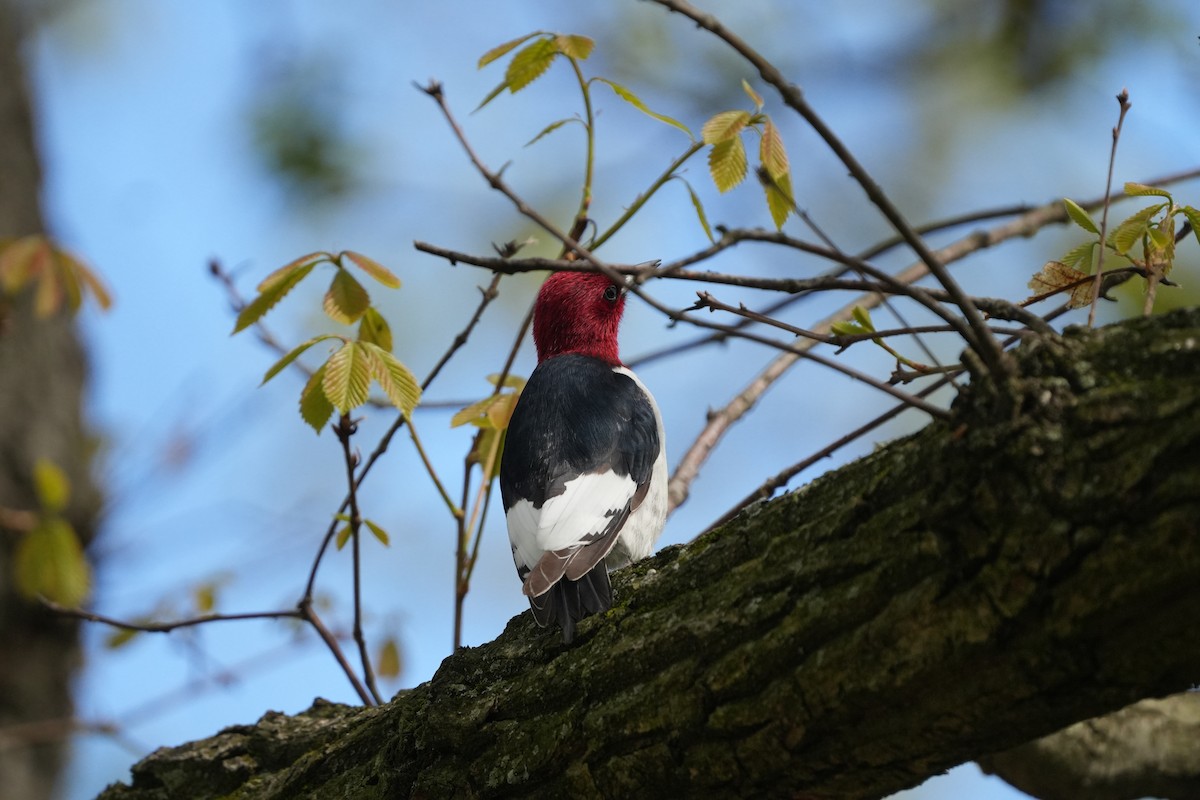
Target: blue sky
{"x": 151, "y": 171}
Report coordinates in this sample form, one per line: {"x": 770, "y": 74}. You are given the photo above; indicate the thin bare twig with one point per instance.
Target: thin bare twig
{"x": 975, "y": 332}
{"x": 1123, "y": 101}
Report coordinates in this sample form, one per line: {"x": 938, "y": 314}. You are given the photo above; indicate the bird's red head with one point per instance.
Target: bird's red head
{"x": 578, "y": 312}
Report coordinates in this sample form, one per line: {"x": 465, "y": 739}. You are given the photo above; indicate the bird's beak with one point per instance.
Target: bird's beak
{"x": 632, "y": 280}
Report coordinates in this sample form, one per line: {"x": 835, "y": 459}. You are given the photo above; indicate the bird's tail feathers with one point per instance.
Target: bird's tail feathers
{"x": 569, "y": 601}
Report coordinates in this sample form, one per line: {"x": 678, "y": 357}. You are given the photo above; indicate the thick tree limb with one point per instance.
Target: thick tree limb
{"x": 958, "y": 592}
{"x": 1151, "y": 748}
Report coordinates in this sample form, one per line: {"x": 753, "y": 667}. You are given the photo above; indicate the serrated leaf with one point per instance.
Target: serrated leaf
{"x": 343, "y": 536}
{"x": 374, "y": 329}
{"x": 475, "y": 413}
{"x": 1056, "y": 276}
{"x": 373, "y": 268}
{"x": 272, "y": 294}
{"x": 501, "y": 49}
{"x": 864, "y": 318}
{"x": 755, "y": 97}
{"x": 388, "y": 664}
{"x": 1080, "y": 217}
{"x": 293, "y": 354}
{"x": 771, "y": 151}
{"x": 347, "y": 300}
{"x": 1141, "y": 190}
{"x": 1080, "y": 256}
{"x": 306, "y": 261}
{"x": 724, "y": 126}
{"x": 696, "y": 204}
{"x": 51, "y": 486}
{"x": 348, "y": 376}
{"x": 397, "y": 382}
{"x": 1193, "y": 217}
{"x": 552, "y": 127}
{"x": 315, "y": 407}
{"x": 529, "y": 64}
{"x": 779, "y": 198}
{"x": 635, "y": 101}
{"x": 574, "y": 45}
{"x": 1133, "y": 227}
{"x": 378, "y": 532}
{"x": 49, "y": 562}
{"x": 727, "y": 163}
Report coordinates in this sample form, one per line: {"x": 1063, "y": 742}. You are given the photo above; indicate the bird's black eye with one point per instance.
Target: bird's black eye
{"x": 611, "y": 293}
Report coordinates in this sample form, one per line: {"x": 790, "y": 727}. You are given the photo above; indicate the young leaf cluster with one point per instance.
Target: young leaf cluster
{"x": 728, "y": 162}
{"x": 49, "y": 560}
{"x": 1153, "y": 227}
{"x": 862, "y": 325}
{"x": 343, "y": 381}
{"x": 57, "y": 277}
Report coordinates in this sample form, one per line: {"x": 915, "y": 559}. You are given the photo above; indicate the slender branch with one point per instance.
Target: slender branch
{"x": 645, "y": 196}
{"x": 167, "y": 627}
{"x": 345, "y": 430}
{"x": 977, "y": 337}
{"x": 1123, "y": 101}
{"x": 309, "y": 615}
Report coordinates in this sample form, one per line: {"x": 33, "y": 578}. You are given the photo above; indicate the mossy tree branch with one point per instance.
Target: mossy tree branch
{"x": 961, "y": 591}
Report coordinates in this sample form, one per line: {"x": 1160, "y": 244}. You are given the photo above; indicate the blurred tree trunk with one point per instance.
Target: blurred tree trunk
{"x": 42, "y": 372}
{"x": 977, "y": 585}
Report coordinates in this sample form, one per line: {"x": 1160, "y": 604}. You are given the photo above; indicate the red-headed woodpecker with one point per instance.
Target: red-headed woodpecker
{"x": 584, "y": 471}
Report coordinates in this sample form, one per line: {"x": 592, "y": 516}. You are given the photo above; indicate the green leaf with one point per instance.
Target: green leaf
{"x": 847, "y": 328}
{"x": 771, "y": 151}
{"x": 1142, "y": 190}
{"x": 51, "y": 485}
{"x": 755, "y": 97}
{"x": 348, "y": 377}
{"x": 493, "y": 94}
{"x": 343, "y": 536}
{"x": 635, "y": 101}
{"x": 1080, "y": 256}
{"x": 1133, "y": 227}
{"x": 374, "y": 329}
{"x": 120, "y": 637}
{"x": 552, "y": 127}
{"x": 347, "y": 300}
{"x": 1193, "y": 216}
{"x": 1079, "y": 216}
{"x": 864, "y": 318}
{"x": 397, "y": 382}
{"x": 388, "y": 664}
{"x": 373, "y": 268}
{"x": 486, "y": 450}
{"x": 699, "y": 211}
{"x": 529, "y": 64}
{"x": 379, "y": 532}
{"x": 273, "y": 292}
{"x": 49, "y": 562}
{"x": 779, "y": 199}
{"x": 727, "y": 163}
{"x": 500, "y": 50}
{"x": 574, "y": 45}
{"x": 295, "y": 353}
{"x": 724, "y": 126}
{"x": 308, "y": 261}
{"x": 315, "y": 407}
{"x": 511, "y": 381}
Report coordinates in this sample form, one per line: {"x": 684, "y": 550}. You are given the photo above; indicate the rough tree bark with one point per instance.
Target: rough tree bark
{"x": 956, "y": 593}
{"x": 42, "y": 372}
